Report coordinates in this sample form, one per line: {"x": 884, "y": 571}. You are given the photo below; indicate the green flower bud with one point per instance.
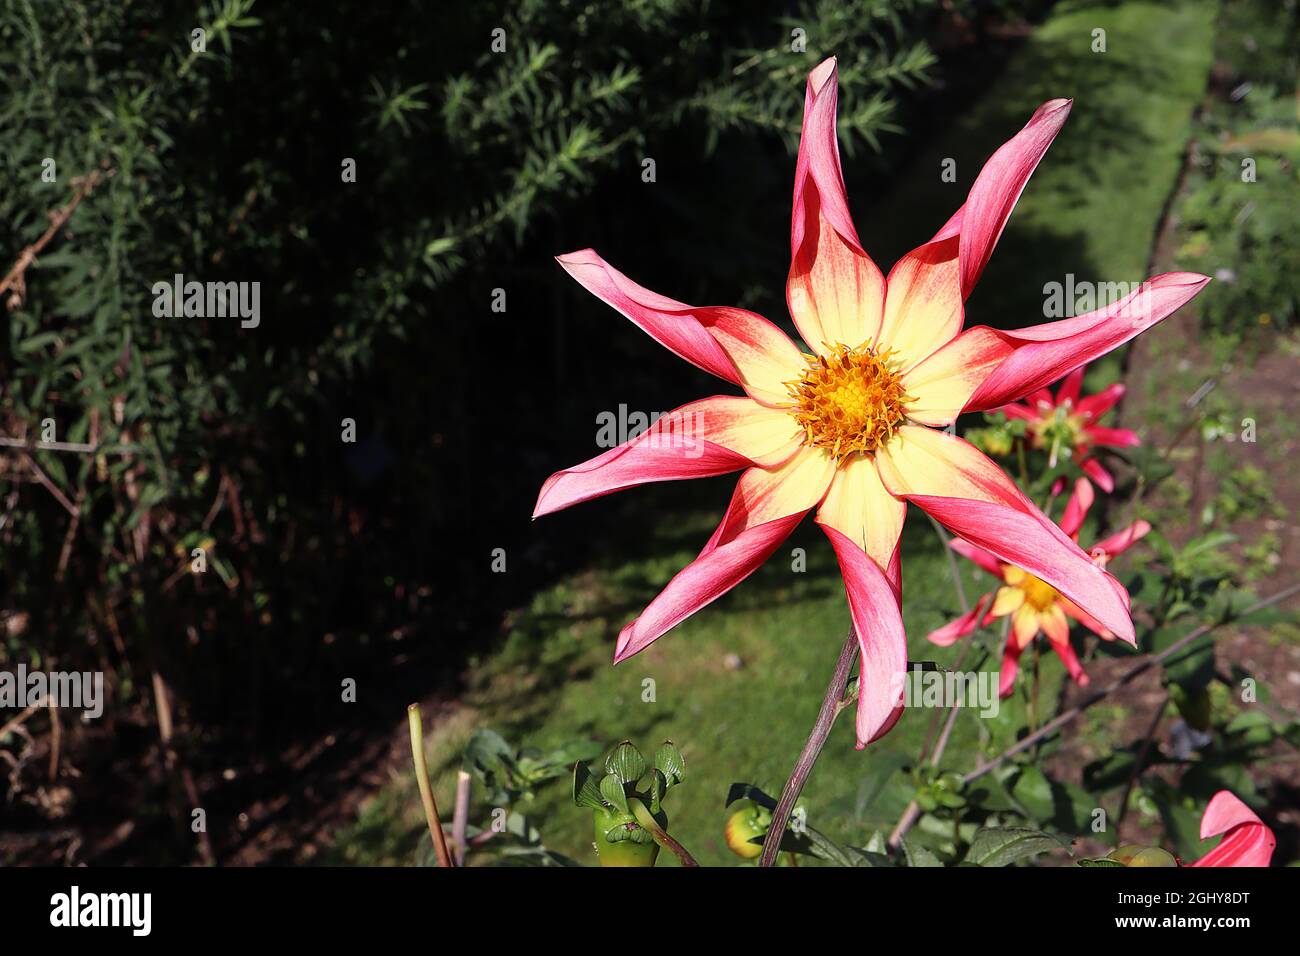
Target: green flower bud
{"x": 747, "y": 823}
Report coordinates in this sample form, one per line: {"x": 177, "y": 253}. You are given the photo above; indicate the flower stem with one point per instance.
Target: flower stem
{"x": 832, "y": 704}
{"x": 426, "y": 791}
{"x": 644, "y": 817}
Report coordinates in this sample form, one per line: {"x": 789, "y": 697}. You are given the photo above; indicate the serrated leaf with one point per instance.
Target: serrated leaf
{"x": 1100, "y": 861}
{"x": 1006, "y": 845}
{"x": 611, "y": 789}
{"x": 626, "y": 763}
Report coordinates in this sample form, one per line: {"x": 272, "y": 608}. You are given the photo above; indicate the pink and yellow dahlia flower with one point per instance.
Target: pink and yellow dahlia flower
{"x": 1067, "y": 424}
{"x": 1033, "y": 605}
{"x": 853, "y": 429}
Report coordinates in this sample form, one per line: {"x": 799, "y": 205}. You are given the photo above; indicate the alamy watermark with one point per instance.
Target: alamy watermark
{"x": 79, "y": 690}
{"x": 211, "y": 300}
{"x": 676, "y": 430}
{"x": 940, "y": 688}
{"x": 1075, "y": 297}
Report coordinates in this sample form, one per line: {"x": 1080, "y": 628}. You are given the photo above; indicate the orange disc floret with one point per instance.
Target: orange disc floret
{"x": 850, "y": 401}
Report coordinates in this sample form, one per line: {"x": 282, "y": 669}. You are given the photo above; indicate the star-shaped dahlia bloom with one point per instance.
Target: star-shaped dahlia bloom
{"x": 853, "y": 429}
{"x": 1033, "y": 605}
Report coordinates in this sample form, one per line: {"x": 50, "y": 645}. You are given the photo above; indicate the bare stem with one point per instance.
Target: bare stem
{"x": 460, "y": 816}
{"x": 832, "y": 704}
{"x": 426, "y": 791}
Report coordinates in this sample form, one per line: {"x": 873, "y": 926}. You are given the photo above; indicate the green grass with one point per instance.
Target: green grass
{"x": 1092, "y": 210}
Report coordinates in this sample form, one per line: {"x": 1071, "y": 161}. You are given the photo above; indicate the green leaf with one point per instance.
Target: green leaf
{"x": 1100, "y": 861}
{"x": 611, "y": 788}
{"x": 1193, "y": 665}
{"x": 626, "y": 763}
{"x": 919, "y": 855}
{"x": 669, "y": 761}
{"x": 585, "y": 792}
{"x": 1004, "y": 846}
{"x": 747, "y": 791}
{"x": 658, "y": 787}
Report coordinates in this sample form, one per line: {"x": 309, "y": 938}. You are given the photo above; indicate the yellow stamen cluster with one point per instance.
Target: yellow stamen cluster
{"x": 850, "y": 401}
{"x": 1038, "y": 593}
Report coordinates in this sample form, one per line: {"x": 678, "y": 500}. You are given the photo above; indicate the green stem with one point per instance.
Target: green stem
{"x": 426, "y": 791}
{"x": 643, "y": 817}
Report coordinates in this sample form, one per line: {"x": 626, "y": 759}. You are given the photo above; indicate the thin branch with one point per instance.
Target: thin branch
{"x": 82, "y": 187}
{"x": 1138, "y": 764}
{"x": 50, "y": 486}
{"x": 15, "y": 721}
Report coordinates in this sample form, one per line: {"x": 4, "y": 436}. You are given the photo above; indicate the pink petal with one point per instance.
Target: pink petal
{"x": 699, "y": 440}
{"x": 1121, "y": 541}
{"x": 1070, "y": 388}
{"x": 1084, "y": 618}
{"x": 949, "y": 478}
{"x": 1114, "y": 437}
{"x": 1057, "y": 629}
{"x": 765, "y": 508}
{"x": 1094, "y": 406}
{"x": 980, "y": 557}
{"x": 1076, "y": 509}
{"x": 998, "y": 187}
{"x": 704, "y": 580}
{"x": 1014, "y": 411}
{"x": 1098, "y": 473}
{"x": 858, "y": 507}
{"x": 882, "y": 644}
{"x": 738, "y": 346}
{"x": 1047, "y": 352}
{"x": 1248, "y": 840}
{"x": 1011, "y": 652}
{"x": 955, "y": 630}
{"x": 834, "y": 291}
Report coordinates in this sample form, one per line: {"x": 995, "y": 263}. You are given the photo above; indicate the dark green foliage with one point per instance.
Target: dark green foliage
{"x": 227, "y": 165}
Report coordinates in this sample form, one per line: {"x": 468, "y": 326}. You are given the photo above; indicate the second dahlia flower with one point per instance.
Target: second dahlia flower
{"x": 1033, "y": 605}
{"x": 854, "y": 427}
{"x": 1067, "y": 424}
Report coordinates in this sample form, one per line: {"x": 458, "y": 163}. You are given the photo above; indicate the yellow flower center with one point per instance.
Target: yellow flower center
{"x": 1038, "y": 594}
{"x": 849, "y": 402}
